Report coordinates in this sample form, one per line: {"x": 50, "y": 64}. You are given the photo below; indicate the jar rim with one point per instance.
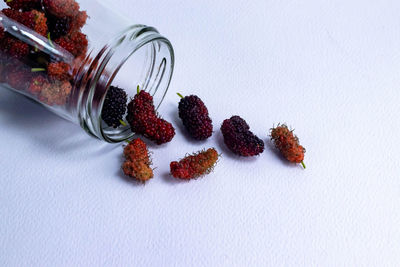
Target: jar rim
{"x": 112, "y": 59}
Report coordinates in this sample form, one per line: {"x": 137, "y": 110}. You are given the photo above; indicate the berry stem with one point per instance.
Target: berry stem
{"x": 122, "y": 122}
{"x": 50, "y": 42}
{"x": 181, "y": 96}
{"x": 302, "y": 164}
{"x": 138, "y": 89}
{"x": 38, "y": 69}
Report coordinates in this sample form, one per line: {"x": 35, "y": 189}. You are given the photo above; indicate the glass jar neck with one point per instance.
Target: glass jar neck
{"x": 139, "y": 56}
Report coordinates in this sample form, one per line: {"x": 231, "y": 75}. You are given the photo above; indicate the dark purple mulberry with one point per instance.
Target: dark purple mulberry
{"x": 239, "y": 139}
{"x": 114, "y": 106}
{"x": 24, "y": 4}
{"x": 195, "y": 118}
{"x": 58, "y": 27}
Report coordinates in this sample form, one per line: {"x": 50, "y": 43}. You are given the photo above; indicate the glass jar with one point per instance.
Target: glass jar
{"x": 66, "y": 54}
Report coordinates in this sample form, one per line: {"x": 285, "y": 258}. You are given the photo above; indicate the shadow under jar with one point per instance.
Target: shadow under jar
{"x": 66, "y": 54}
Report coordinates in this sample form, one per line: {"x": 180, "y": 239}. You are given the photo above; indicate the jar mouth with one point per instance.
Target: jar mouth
{"x": 140, "y": 56}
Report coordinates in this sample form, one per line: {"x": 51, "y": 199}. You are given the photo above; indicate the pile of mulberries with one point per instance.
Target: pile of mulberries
{"x": 28, "y": 68}
{"x": 194, "y": 115}
{"x": 239, "y": 139}
{"x": 34, "y": 19}
{"x": 114, "y": 106}
{"x": 144, "y": 120}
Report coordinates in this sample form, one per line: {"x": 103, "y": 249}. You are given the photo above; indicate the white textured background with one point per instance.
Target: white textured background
{"x": 331, "y": 69}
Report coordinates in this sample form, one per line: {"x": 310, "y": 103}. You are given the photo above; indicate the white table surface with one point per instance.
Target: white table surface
{"x": 330, "y": 69}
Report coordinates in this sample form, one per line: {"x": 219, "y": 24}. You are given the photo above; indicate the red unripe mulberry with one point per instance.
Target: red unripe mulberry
{"x": 59, "y": 70}
{"x": 55, "y": 93}
{"x": 33, "y": 19}
{"x": 144, "y": 120}
{"x": 76, "y": 43}
{"x": 37, "y": 83}
{"x": 61, "y": 8}
{"x": 194, "y": 166}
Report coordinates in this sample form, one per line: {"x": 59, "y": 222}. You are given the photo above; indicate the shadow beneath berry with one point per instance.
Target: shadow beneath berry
{"x": 177, "y": 122}
{"x": 39, "y": 126}
{"x": 168, "y": 179}
{"x": 128, "y": 179}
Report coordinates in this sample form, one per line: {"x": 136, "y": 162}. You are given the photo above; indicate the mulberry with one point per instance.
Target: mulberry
{"x": 33, "y": 19}
{"x": 59, "y": 71}
{"x": 114, "y": 106}
{"x": 194, "y": 166}
{"x": 78, "y": 21}
{"x": 137, "y": 163}
{"x": 23, "y": 4}
{"x": 143, "y": 119}
{"x": 61, "y": 8}
{"x": 288, "y": 144}
{"x": 19, "y": 78}
{"x": 239, "y": 139}
{"x": 58, "y": 27}
{"x": 36, "y": 84}
{"x": 195, "y": 118}
{"x": 15, "y": 48}
{"x": 76, "y": 43}
{"x": 55, "y": 93}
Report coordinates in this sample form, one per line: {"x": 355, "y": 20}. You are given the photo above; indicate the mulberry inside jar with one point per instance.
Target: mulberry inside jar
{"x": 67, "y": 54}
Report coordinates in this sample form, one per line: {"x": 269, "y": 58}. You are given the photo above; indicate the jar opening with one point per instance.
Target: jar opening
{"x": 140, "y": 57}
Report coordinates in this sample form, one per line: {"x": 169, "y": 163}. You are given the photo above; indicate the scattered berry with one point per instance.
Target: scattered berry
{"x": 114, "y": 106}
{"x": 288, "y": 144}
{"x": 195, "y": 118}
{"x": 143, "y": 119}
{"x": 137, "y": 164}
{"x": 239, "y": 139}
{"x": 195, "y": 165}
